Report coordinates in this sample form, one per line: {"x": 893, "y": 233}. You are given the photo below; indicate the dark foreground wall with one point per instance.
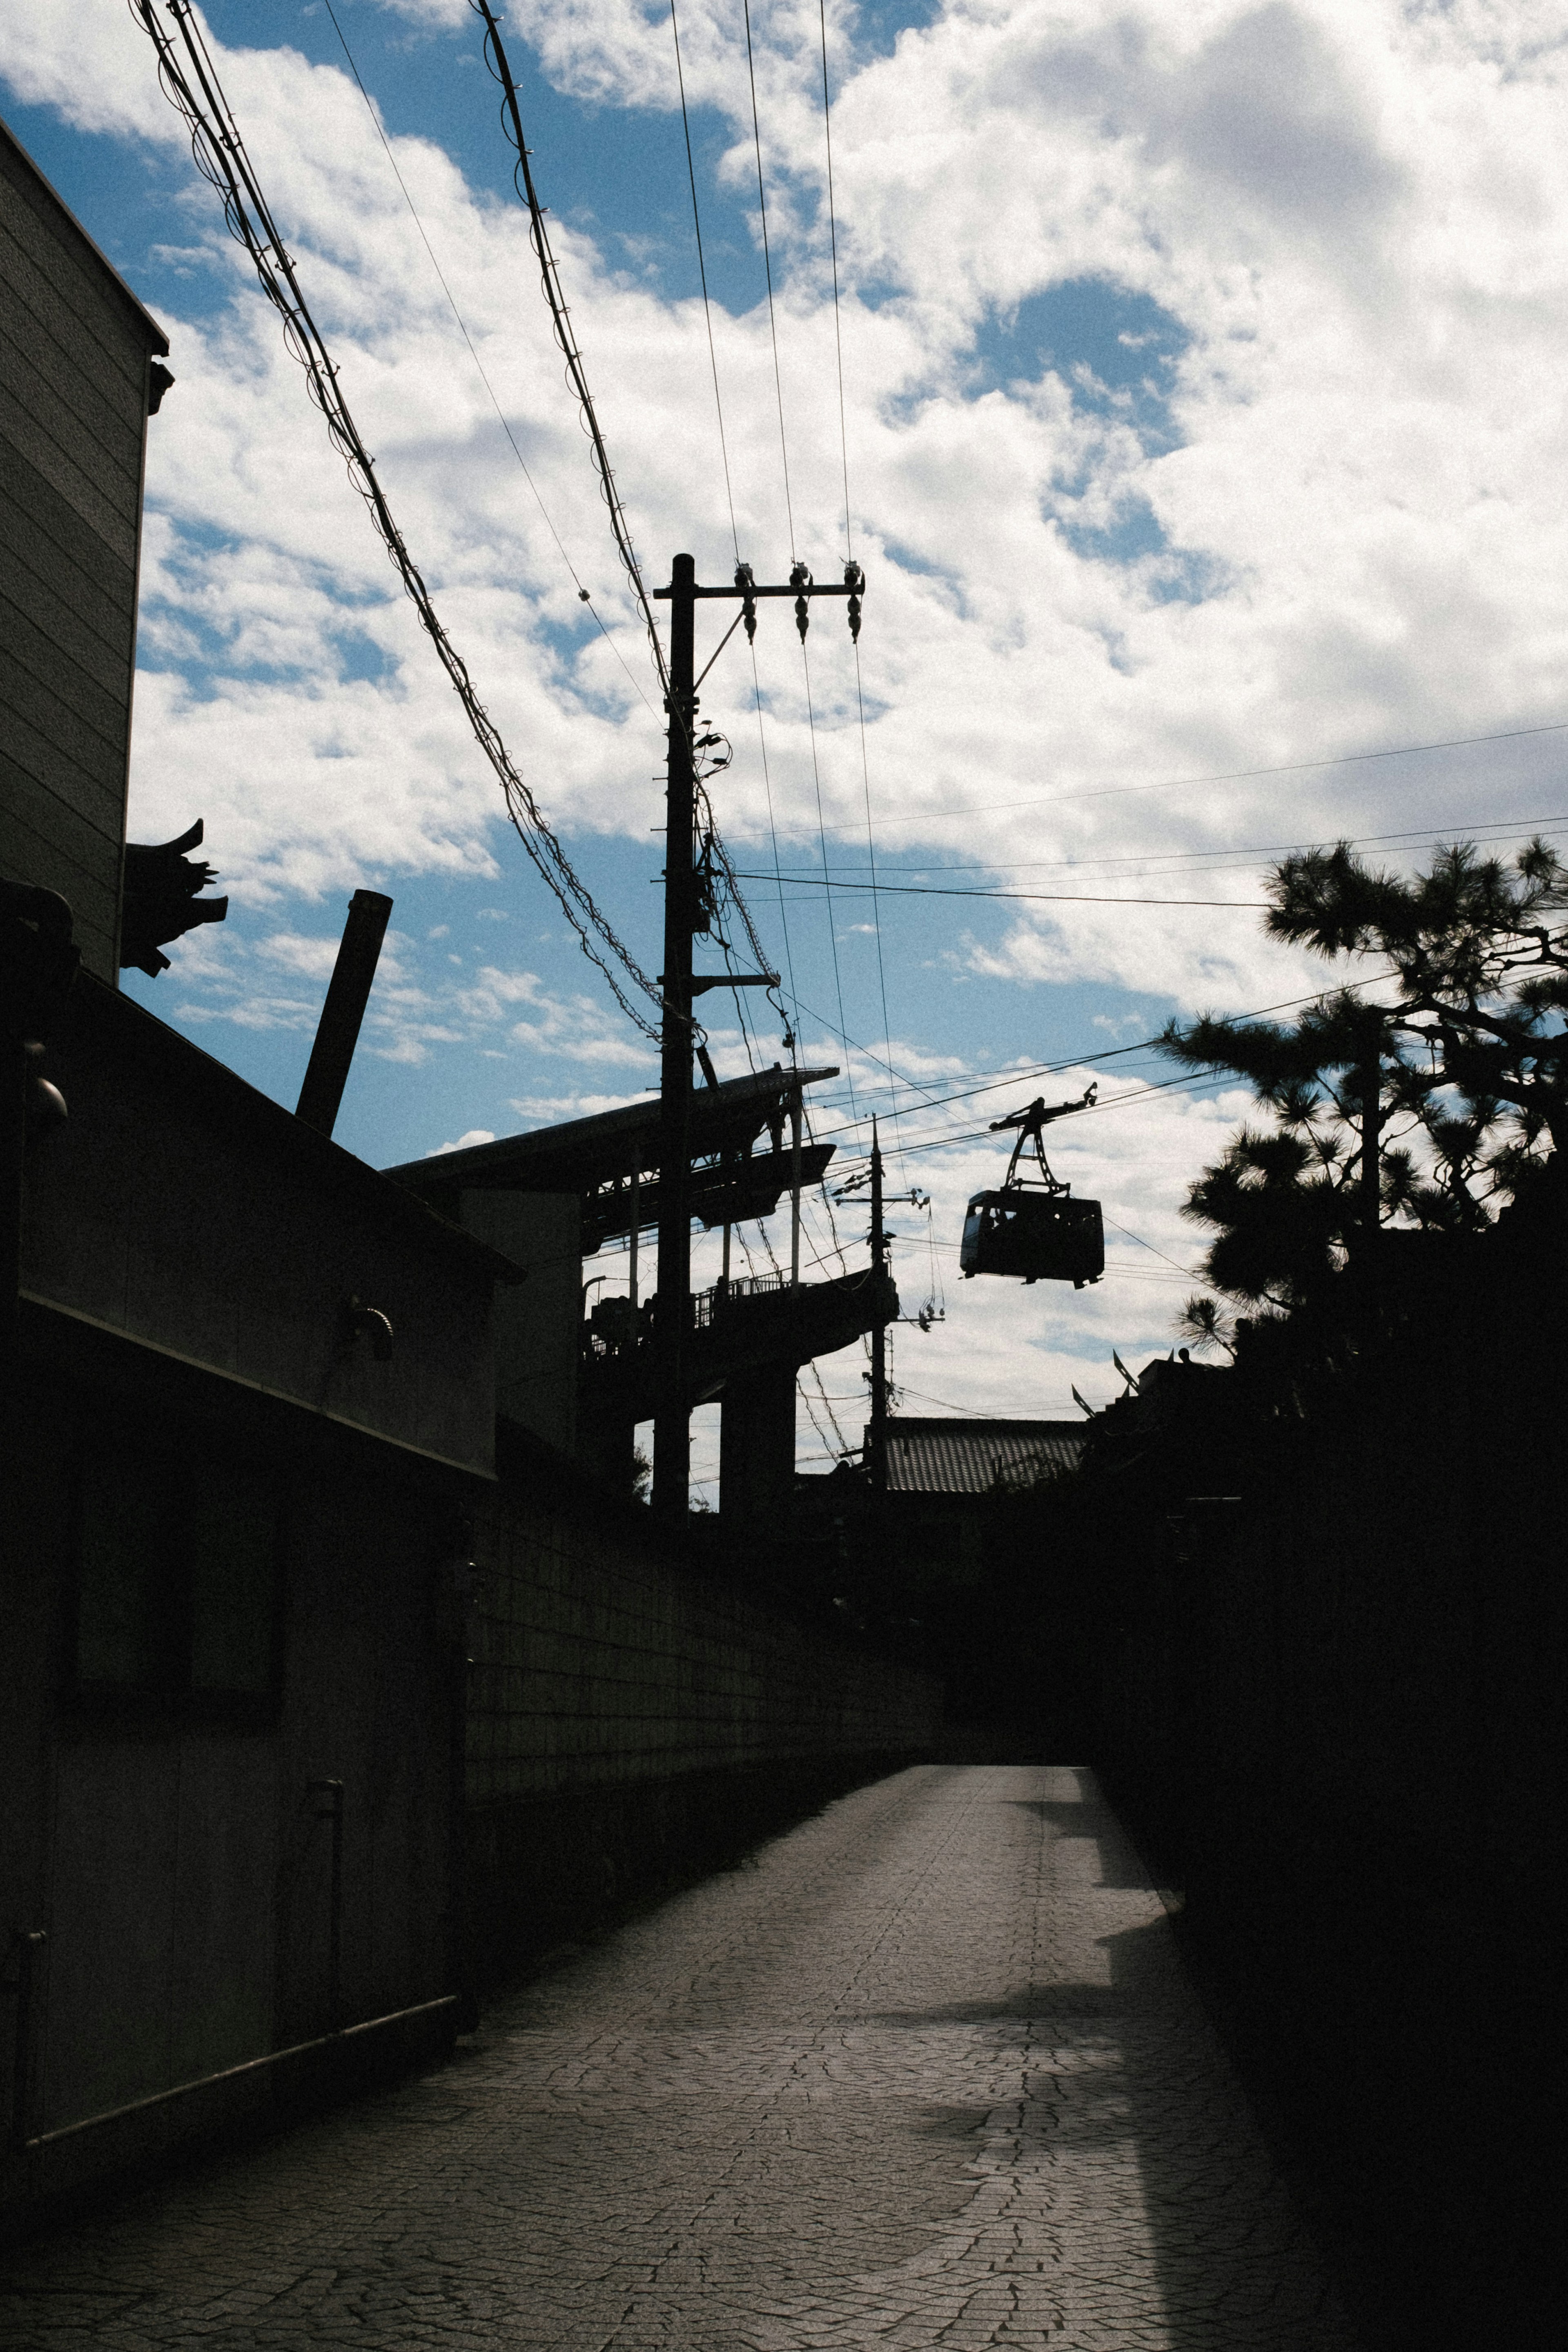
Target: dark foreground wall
{"x": 228, "y": 1740}
{"x": 1331, "y": 1711}
{"x": 634, "y": 1718}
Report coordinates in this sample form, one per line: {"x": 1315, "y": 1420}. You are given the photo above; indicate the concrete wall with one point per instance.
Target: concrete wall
{"x": 74, "y": 352}
{"x": 632, "y": 1721}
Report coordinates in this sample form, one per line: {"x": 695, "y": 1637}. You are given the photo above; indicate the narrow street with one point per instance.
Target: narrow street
{"x": 927, "y": 2073}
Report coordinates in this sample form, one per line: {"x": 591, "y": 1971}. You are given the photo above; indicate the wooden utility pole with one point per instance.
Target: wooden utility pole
{"x": 678, "y": 1037}
{"x": 878, "y": 1465}
{"x": 671, "y": 1425}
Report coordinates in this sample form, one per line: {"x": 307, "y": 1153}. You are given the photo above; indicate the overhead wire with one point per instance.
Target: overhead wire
{"x": 936, "y": 891}
{"x": 1240, "y": 854}
{"x": 1052, "y": 898}
{"x": 496, "y": 59}
{"x": 499, "y": 68}
{"x": 768, "y": 270}
{"x": 790, "y": 513}
{"x": 220, "y": 156}
{"x": 734, "y": 529}
{"x": 833, "y": 250}
{"x": 1011, "y": 1080}
{"x": 826, "y": 883}
{"x": 702, "y": 273}
{"x": 849, "y": 537}
{"x": 1231, "y": 776}
{"x": 583, "y": 594}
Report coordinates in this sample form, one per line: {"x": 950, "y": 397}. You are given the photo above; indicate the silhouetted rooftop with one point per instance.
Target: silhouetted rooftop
{"x": 950, "y": 1456}
{"x": 584, "y": 1153}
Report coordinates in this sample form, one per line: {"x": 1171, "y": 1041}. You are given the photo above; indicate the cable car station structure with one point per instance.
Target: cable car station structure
{"x": 584, "y": 1378}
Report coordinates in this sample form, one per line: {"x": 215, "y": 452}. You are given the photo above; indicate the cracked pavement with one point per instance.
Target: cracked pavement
{"x": 928, "y": 2072}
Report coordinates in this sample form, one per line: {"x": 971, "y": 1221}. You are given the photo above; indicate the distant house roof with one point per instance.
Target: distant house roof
{"x": 942, "y": 1456}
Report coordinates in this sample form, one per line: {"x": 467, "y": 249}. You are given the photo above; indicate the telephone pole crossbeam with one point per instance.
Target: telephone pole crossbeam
{"x": 677, "y": 1038}
{"x": 817, "y": 588}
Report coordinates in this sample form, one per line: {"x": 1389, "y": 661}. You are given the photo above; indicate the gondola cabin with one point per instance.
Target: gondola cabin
{"x": 1035, "y": 1237}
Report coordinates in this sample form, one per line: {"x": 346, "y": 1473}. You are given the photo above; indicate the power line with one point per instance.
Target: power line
{"x": 560, "y": 319}
{"x": 702, "y": 273}
{"x": 826, "y": 884}
{"x": 735, "y": 534}
{"x": 768, "y": 267}
{"x": 1053, "y": 898}
{"x": 772, "y": 829}
{"x": 790, "y": 514}
{"x": 497, "y": 60}
{"x": 220, "y": 156}
{"x": 577, "y": 580}
{"x": 1013, "y": 1079}
{"x": 849, "y": 544}
{"x": 1010, "y": 1079}
{"x": 1421, "y": 836}
{"x": 1232, "y": 776}
{"x": 833, "y": 248}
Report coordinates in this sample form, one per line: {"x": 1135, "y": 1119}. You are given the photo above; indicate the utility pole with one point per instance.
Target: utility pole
{"x": 672, "y": 1426}
{"x": 677, "y": 1037}
{"x": 879, "y": 1332}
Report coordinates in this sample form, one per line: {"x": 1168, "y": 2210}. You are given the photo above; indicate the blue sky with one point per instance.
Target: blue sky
{"x": 1198, "y": 396}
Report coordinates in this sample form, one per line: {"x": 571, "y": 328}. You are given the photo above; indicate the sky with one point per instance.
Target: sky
{"x": 1195, "y": 378}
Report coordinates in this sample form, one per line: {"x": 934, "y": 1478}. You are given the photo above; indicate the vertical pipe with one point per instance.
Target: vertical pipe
{"x": 29, "y": 1946}
{"x": 672, "y": 1424}
{"x": 726, "y": 1278}
{"x": 333, "y": 1792}
{"x": 348, "y": 993}
{"x": 795, "y": 1192}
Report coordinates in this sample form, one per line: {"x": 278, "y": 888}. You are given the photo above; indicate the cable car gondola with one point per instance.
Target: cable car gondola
{"x": 1034, "y": 1231}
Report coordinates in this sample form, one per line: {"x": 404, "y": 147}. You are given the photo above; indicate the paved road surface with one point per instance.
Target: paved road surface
{"x": 927, "y": 2074}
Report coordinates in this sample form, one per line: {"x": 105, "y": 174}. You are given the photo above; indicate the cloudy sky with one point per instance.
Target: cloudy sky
{"x": 1203, "y": 427}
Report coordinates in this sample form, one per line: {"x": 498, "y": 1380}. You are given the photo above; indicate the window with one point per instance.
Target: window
{"x": 178, "y": 1587}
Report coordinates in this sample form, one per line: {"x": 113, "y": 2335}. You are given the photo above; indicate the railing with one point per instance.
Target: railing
{"x": 708, "y": 1305}
{"x": 615, "y": 1333}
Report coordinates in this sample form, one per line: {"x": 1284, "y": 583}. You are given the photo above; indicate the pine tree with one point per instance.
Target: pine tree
{"x": 1420, "y": 1098}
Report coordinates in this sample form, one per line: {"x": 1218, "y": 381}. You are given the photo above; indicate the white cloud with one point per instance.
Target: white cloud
{"x": 578, "y": 1027}
{"x": 552, "y": 1110}
{"x": 312, "y": 959}
{"x": 1351, "y": 219}
{"x": 1203, "y": 376}
{"x": 465, "y": 1143}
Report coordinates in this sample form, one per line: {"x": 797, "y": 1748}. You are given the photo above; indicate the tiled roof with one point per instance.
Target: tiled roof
{"x": 963, "y": 1457}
